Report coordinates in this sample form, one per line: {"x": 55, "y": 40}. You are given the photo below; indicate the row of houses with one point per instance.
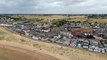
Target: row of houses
{"x": 64, "y": 37}
{"x": 5, "y": 19}
{"x": 70, "y": 34}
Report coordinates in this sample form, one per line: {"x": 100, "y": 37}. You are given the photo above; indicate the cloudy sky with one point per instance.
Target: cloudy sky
{"x": 54, "y": 6}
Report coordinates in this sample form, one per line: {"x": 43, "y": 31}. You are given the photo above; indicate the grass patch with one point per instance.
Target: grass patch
{"x": 35, "y": 45}
{"x": 22, "y": 40}
{"x": 1, "y": 37}
{"x": 2, "y": 33}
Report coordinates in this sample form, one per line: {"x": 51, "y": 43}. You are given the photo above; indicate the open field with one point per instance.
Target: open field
{"x": 63, "y": 53}
{"x": 71, "y": 18}
{"x": 98, "y": 20}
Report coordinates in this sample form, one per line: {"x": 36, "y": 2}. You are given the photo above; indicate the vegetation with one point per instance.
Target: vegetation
{"x": 1, "y": 35}
{"x": 97, "y": 16}
{"x": 88, "y": 18}
{"x": 105, "y": 41}
{"x": 35, "y": 20}
{"x": 22, "y": 40}
{"x": 59, "y": 22}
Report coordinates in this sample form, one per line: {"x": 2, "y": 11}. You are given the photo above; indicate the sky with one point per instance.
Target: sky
{"x": 53, "y": 6}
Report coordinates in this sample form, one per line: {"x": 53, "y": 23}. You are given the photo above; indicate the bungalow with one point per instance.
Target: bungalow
{"x": 66, "y": 33}
{"x": 57, "y": 37}
{"x": 103, "y": 50}
{"x": 95, "y": 27}
{"x": 60, "y": 41}
{"x": 6, "y": 25}
{"x": 53, "y": 40}
{"x": 97, "y": 49}
{"x": 79, "y": 45}
{"x": 76, "y": 32}
{"x": 46, "y": 30}
{"x": 5, "y": 20}
{"x": 67, "y": 42}
{"x": 44, "y": 39}
{"x": 73, "y": 44}
{"x": 86, "y": 44}
{"x": 35, "y": 37}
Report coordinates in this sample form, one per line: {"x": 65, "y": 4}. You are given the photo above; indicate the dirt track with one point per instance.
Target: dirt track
{"x": 17, "y": 53}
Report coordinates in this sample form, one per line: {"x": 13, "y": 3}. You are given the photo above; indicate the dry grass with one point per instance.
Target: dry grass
{"x": 72, "y": 18}
{"x": 47, "y": 18}
{"x": 98, "y": 20}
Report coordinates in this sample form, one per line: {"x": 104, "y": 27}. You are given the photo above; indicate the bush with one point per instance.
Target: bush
{"x": 59, "y": 22}
{"x": 22, "y": 40}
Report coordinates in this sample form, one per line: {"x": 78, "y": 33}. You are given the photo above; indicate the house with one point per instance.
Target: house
{"x": 67, "y": 42}
{"x": 60, "y": 41}
{"x": 86, "y": 44}
{"x": 91, "y": 48}
{"x": 44, "y": 39}
{"x": 97, "y": 49}
{"x": 27, "y": 33}
{"x": 79, "y": 45}
{"x": 6, "y": 25}
{"x": 98, "y": 38}
{"x": 5, "y": 20}
{"x": 66, "y": 38}
{"x": 66, "y": 33}
{"x": 75, "y": 25}
{"x": 95, "y": 27}
{"x": 76, "y": 32}
{"x": 94, "y": 48}
{"x": 35, "y": 37}
{"x": 46, "y": 30}
{"x": 73, "y": 44}
{"x": 103, "y": 50}
{"x": 53, "y": 40}
{"x": 57, "y": 37}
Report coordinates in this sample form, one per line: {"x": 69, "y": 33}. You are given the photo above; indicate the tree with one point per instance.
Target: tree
{"x": 59, "y": 22}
